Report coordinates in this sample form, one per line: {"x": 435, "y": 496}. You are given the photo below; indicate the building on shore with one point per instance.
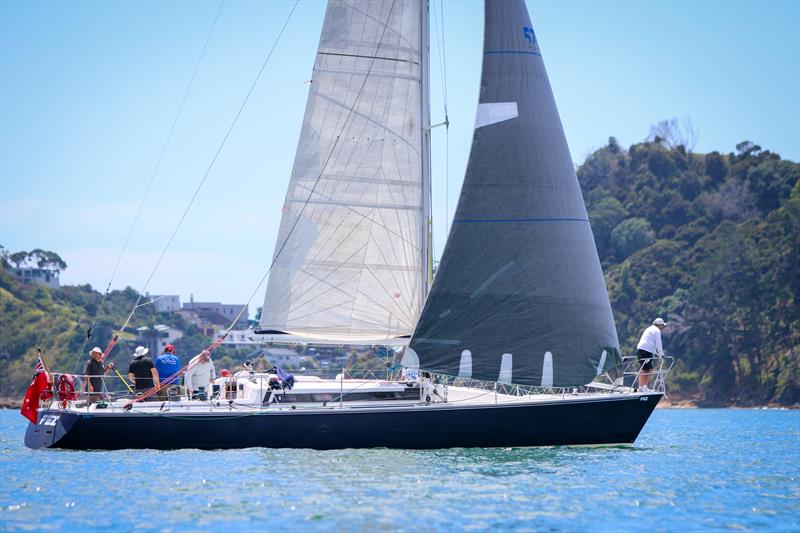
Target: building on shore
{"x": 285, "y": 358}
{"x": 35, "y": 274}
{"x": 164, "y": 303}
{"x": 204, "y": 326}
{"x": 219, "y": 313}
{"x": 157, "y": 337}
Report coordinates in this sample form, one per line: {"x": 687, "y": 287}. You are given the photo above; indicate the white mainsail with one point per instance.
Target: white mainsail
{"x": 352, "y": 249}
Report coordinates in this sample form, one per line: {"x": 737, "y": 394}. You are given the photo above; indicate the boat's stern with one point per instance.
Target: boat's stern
{"x": 51, "y": 426}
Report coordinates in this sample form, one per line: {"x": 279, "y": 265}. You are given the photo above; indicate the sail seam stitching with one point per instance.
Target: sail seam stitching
{"x": 360, "y": 56}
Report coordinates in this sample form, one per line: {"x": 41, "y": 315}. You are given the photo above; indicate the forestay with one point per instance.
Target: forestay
{"x": 353, "y": 263}
{"x": 519, "y": 295}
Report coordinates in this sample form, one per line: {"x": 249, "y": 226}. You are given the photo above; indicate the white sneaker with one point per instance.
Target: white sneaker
{"x": 644, "y": 388}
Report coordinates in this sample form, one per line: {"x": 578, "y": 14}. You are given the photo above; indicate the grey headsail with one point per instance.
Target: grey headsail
{"x": 519, "y": 295}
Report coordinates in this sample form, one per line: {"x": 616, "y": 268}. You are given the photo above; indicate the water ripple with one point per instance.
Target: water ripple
{"x": 690, "y": 470}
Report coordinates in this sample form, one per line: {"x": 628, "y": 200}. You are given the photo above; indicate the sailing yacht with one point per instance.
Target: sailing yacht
{"x": 512, "y": 343}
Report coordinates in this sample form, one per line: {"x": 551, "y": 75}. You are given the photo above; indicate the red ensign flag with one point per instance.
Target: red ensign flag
{"x": 39, "y": 383}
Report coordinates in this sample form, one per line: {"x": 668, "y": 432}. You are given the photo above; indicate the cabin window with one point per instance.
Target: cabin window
{"x": 319, "y": 397}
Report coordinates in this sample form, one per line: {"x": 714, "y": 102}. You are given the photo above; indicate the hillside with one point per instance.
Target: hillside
{"x": 56, "y": 320}
{"x": 710, "y": 242}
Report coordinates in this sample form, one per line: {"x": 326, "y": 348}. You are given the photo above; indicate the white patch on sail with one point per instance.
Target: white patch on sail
{"x": 505, "y": 369}
{"x": 547, "y": 370}
{"x": 410, "y": 359}
{"x": 495, "y": 112}
{"x": 465, "y": 366}
{"x": 602, "y": 362}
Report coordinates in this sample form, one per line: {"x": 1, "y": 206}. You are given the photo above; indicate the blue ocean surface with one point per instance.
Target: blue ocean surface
{"x": 690, "y": 470}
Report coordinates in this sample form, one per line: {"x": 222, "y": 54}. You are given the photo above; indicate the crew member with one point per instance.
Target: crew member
{"x": 94, "y": 370}
{"x": 199, "y": 375}
{"x": 142, "y": 372}
{"x": 168, "y": 367}
{"x": 649, "y": 346}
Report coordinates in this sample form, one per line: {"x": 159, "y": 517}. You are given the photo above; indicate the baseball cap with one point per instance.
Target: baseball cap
{"x": 659, "y": 322}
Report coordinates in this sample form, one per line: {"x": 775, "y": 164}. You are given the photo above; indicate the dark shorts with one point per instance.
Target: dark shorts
{"x": 645, "y": 359}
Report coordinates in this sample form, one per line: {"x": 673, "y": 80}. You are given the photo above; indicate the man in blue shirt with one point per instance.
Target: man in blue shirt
{"x": 168, "y": 366}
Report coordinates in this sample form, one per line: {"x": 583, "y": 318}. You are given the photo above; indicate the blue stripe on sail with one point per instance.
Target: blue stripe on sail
{"x": 523, "y": 52}
{"x": 437, "y": 341}
{"x": 504, "y": 220}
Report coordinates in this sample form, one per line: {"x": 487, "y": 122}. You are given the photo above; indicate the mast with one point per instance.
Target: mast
{"x": 427, "y": 223}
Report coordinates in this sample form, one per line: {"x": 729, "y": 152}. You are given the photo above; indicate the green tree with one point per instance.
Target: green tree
{"x": 631, "y": 235}
{"x": 605, "y": 212}
{"x": 771, "y": 182}
{"x": 715, "y": 167}
{"x": 41, "y": 258}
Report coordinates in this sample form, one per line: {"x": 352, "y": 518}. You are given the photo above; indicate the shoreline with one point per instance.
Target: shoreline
{"x": 682, "y": 403}
{"x": 665, "y": 403}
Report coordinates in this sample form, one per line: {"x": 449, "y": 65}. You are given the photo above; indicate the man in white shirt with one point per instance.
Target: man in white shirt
{"x": 648, "y": 347}
{"x": 199, "y": 374}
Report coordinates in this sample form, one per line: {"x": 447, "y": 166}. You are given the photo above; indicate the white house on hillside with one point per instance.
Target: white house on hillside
{"x": 165, "y": 303}
{"x": 157, "y": 338}
{"x": 218, "y": 313}
{"x": 42, "y": 276}
{"x": 283, "y": 357}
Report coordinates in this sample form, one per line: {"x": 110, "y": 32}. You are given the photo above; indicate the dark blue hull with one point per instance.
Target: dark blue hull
{"x": 610, "y": 420}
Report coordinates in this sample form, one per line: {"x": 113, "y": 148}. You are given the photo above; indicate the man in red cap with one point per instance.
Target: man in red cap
{"x": 168, "y": 366}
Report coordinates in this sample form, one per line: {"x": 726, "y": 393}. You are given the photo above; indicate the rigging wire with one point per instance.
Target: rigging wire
{"x": 208, "y": 171}
{"x": 446, "y": 127}
{"x": 150, "y": 182}
{"x": 442, "y": 56}
{"x": 277, "y": 255}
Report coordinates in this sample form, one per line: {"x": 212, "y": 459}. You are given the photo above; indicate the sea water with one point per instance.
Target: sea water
{"x": 690, "y": 470}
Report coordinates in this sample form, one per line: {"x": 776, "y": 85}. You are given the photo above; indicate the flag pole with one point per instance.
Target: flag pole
{"x": 46, "y": 368}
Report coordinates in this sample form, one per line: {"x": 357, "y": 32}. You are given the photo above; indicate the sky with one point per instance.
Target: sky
{"x": 89, "y": 91}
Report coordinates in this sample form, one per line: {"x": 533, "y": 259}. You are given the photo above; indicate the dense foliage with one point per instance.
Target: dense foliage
{"x": 57, "y": 320}
{"x": 711, "y": 243}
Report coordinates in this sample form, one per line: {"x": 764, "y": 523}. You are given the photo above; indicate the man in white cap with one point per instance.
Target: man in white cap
{"x": 649, "y": 346}
{"x": 142, "y": 371}
{"x": 93, "y": 372}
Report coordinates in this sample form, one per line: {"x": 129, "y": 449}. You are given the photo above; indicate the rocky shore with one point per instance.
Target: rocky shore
{"x": 686, "y": 403}
{"x": 10, "y": 403}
